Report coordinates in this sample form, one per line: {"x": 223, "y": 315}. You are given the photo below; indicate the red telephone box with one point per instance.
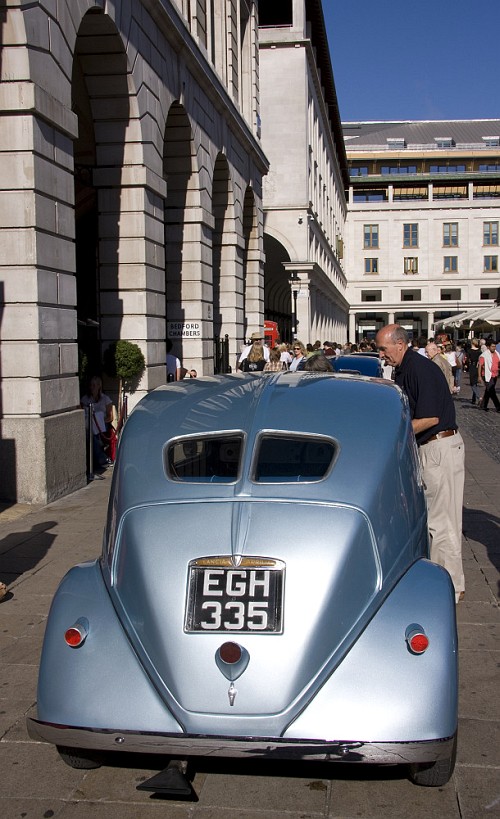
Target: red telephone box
{"x": 271, "y": 333}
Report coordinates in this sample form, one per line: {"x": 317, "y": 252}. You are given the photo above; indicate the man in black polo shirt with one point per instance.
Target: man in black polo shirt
{"x": 440, "y": 446}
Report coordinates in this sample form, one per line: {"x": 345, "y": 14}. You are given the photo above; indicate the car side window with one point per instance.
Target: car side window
{"x": 286, "y": 458}
{"x": 204, "y": 459}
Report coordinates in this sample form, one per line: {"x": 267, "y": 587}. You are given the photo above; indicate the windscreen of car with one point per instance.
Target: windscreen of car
{"x": 206, "y": 459}
{"x": 286, "y": 458}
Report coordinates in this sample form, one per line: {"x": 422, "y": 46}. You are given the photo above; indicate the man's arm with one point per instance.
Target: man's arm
{"x": 421, "y": 424}
{"x": 480, "y": 370}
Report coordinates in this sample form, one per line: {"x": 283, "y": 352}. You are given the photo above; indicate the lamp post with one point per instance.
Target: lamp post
{"x": 294, "y": 282}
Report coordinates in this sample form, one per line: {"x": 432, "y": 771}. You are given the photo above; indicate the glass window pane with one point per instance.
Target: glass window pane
{"x": 213, "y": 458}
{"x": 291, "y": 458}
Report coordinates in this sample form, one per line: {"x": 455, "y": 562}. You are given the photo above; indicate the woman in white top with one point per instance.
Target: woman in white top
{"x": 299, "y": 355}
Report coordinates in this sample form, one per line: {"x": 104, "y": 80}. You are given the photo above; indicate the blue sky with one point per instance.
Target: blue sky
{"x": 428, "y": 59}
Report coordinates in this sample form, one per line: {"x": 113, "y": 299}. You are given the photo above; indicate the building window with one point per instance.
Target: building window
{"x": 450, "y": 234}
{"x": 490, "y": 233}
{"x": 410, "y": 235}
{"x": 487, "y": 294}
{"x": 490, "y": 168}
{"x": 444, "y": 142}
{"x": 276, "y": 14}
{"x": 491, "y": 264}
{"x": 369, "y": 195}
{"x": 451, "y": 295}
{"x": 361, "y": 170}
{"x": 486, "y": 191}
{"x": 370, "y": 235}
{"x": 447, "y": 168}
{"x": 411, "y": 295}
{"x": 371, "y": 265}
{"x": 410, "y": 265}
{"x": 371, "y": 295}
{"x": 450, "y": 192}
{"x": 396, "y": 143}
{"x": 389, "y": 170}
{"x": 407, "y": 194}
{"x": 491, "y": 141}
{"x": 450, "y": 264}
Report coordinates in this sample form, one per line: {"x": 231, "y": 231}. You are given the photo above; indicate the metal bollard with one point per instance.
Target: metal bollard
{"x": 91, "y": 442}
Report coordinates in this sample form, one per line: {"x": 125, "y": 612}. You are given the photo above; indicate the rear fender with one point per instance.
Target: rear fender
{"x": 381, "y": 692}
{"x": 84, "y": 685}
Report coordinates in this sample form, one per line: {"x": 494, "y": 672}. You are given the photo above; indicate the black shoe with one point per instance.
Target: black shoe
{"x": 485, "y": 409}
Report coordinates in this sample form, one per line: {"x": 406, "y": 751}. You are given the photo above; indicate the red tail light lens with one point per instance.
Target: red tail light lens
{"x": 76, "y": 634}
{"x": 230, "y": 652}
{"x": 417, "y": 639}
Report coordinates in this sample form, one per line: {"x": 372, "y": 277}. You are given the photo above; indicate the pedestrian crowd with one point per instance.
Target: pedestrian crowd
{"x": 480, "y": 359}
{"x": 257, "y": 357}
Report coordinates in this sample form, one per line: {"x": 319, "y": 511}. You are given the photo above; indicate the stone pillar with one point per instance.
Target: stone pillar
{"x": 42, "y": 447}
{"x": 132, "y": 267}
{"x": 352, "y": 327}
{"x": 188, "y": 249}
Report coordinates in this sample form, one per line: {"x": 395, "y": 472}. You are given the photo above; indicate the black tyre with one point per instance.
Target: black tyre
{"x": 78, "y": 758}
{"x": 435, "y": 774}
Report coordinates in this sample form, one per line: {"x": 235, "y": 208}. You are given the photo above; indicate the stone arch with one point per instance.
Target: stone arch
{"x": 103, "y": 104}
{"x": 277, "y": 294}
{"x": 184, "y": 235}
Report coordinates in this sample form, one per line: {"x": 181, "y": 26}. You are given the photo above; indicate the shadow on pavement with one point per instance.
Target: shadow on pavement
{"x": 483, "y": 527}
{"x": 22, "y": 551}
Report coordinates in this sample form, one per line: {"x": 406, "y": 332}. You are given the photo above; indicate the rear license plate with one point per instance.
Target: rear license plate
{"x": 237, "y": 599}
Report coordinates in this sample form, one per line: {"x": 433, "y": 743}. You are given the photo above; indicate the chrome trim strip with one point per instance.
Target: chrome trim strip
{"x": 185, "y": 745}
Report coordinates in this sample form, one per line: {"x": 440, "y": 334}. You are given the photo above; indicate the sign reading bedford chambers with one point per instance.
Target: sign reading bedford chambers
{"x": 184, "y": 329}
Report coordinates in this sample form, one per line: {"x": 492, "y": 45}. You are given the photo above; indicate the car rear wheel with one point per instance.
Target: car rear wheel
{"x": 435, "y": 774}
{"x": 77, "y": 758}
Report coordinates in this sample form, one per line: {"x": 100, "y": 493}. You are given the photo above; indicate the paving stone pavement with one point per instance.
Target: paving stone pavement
{"x": 38, "y": 545}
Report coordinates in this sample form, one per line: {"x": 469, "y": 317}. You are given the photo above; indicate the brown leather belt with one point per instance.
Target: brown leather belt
{"x": 444, "y": 434}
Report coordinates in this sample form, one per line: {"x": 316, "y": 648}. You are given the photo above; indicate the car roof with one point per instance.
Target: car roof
{"x": 363, "y": 416}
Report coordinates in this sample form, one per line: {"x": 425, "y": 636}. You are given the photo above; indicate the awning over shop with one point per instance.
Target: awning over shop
{"x": 486, "y": 191}
{"x": 473, "y": 319}
{"x": 449, "y": 192}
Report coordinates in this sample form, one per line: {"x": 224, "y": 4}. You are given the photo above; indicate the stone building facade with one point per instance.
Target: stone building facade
{"x": 422, "y": 233}
{"x": 304, "y": 191}
{"x": 131, "y": 207}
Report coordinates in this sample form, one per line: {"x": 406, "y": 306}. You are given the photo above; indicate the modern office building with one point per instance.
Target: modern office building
{"x": 131, "y": 207}
{"x": 304, "y": 190}
{"x": 422, "y": 234}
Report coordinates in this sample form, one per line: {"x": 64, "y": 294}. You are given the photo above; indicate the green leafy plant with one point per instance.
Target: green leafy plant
{"x": 124, "y": 360}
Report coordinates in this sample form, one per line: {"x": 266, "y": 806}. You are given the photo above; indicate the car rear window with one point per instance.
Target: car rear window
{"x": 204, "y": 459}
{"x": 287, "y": 458}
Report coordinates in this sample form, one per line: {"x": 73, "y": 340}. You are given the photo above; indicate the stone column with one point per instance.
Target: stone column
{"x": 132, "y": 266}
{"x": 42, "y": 447}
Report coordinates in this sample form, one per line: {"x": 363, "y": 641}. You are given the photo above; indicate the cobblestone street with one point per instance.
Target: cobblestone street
{"x": 484, "y": 427}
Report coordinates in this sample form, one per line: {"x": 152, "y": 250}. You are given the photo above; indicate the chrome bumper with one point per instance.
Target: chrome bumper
{"x": 186, "y": 745}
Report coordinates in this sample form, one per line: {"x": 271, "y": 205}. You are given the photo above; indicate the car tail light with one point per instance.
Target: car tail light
{"x": 76, "y": 634}
{"x": 230, "y": 652}
{"x": 416, "y": 639}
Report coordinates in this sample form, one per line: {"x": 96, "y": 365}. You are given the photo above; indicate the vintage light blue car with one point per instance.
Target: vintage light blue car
{"x": 264, "y": 588}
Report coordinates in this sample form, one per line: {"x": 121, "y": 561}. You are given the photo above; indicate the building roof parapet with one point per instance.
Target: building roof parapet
{"x": 427, "y": 146}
